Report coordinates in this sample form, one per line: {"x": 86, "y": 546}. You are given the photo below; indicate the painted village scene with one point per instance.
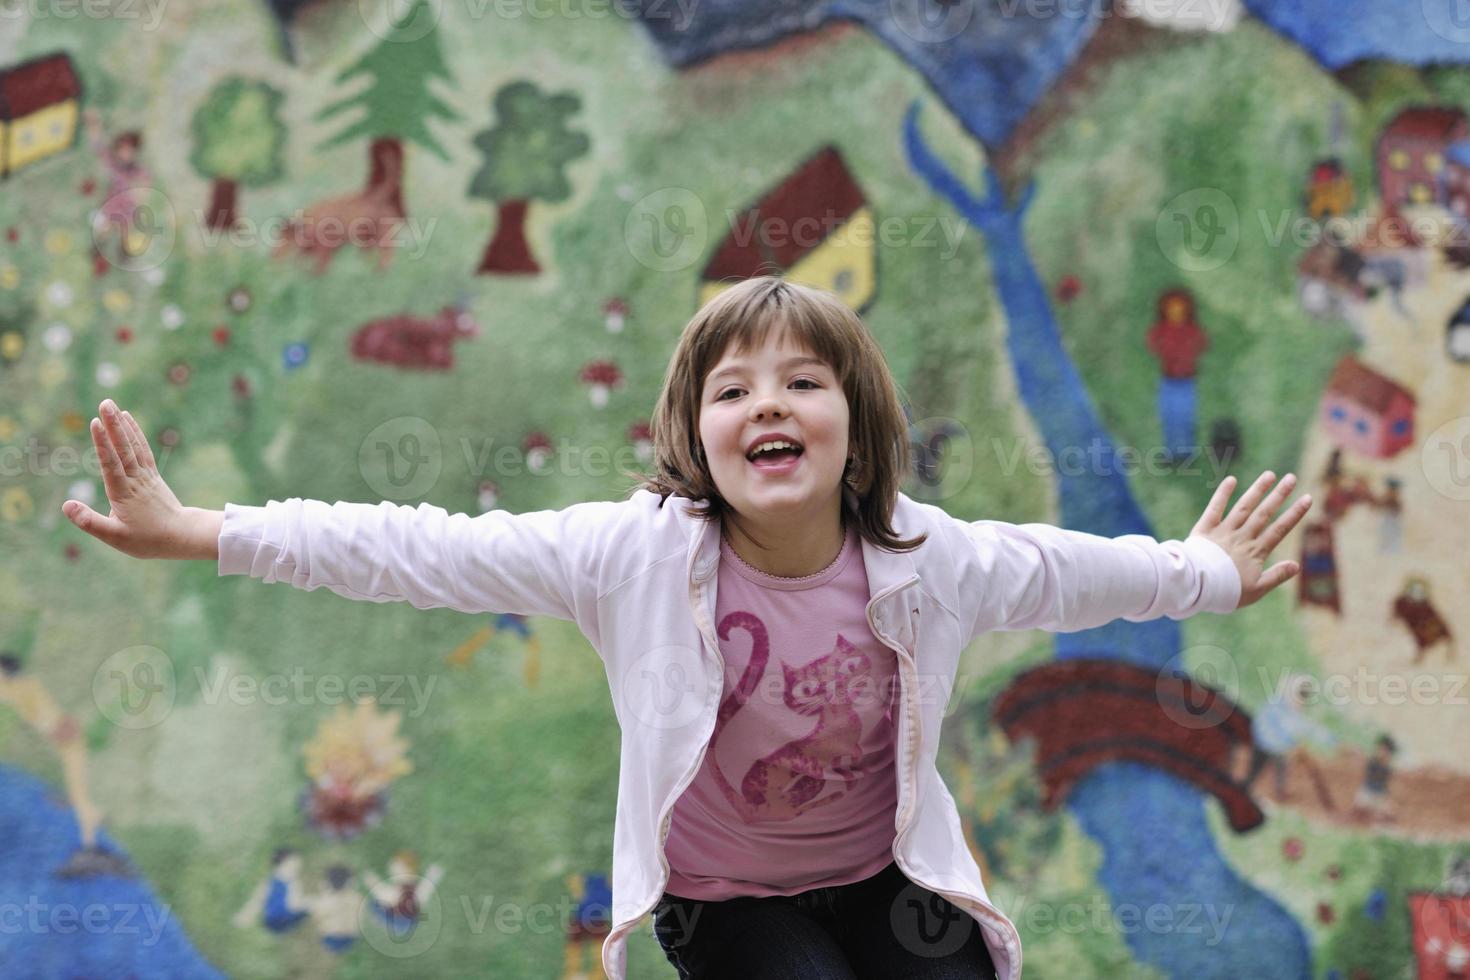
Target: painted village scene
{"x": 440, "y": 252}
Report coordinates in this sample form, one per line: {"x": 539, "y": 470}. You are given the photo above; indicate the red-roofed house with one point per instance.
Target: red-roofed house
{"x": 816, "y": 228}
{"x": 1365, "y": 411}
{"x": 39, "y": 106}
{"x": 1411, "y": 153}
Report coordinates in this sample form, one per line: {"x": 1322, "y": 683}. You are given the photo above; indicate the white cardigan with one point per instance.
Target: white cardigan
{"x": 637, "y": 576}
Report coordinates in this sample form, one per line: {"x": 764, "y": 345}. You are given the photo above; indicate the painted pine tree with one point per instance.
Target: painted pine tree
{"x": 397, "y": 103}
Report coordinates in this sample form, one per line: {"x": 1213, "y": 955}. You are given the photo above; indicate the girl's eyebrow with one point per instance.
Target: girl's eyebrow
{"x": 790, "y": 362}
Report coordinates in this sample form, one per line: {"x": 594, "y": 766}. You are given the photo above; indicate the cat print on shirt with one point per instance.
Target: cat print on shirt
{"x": 787, "y": 781}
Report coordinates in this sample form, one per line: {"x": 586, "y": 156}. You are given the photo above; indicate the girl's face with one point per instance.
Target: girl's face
{"x": 779, "y": 388}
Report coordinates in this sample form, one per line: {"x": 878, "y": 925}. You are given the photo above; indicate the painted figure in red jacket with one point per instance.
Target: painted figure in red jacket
{"x": 1177, "y": 340}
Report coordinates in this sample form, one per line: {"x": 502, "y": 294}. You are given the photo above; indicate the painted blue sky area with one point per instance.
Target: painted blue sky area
{"x": 989, "y": 61}
{"x": 1338, "y": 32}
{"x": 104, "y": 926}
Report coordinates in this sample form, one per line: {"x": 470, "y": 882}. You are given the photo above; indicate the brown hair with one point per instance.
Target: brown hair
{"x": 818, "y": 321}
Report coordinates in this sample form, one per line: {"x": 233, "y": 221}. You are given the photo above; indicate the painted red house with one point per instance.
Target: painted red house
{"x": 1441, "y": 935}
{"x": 39, "y": 109}
{"x": 816, "y": 227}
{"x": 1365, "y": 411}
{"x": 1411, "y": 153}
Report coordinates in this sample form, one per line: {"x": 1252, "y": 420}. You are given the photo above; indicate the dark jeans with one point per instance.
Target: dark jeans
{"x": 880, "y": 928}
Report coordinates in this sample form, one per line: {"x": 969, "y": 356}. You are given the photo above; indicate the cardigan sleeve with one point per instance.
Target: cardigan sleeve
{"x": 1037, "y": 576}
{"x": 541, "y": 563}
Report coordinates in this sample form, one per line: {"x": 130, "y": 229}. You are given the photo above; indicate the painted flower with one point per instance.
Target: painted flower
{"x": 59, "y": 294}
{"x": 57, "y": 337}
{"x": 53, "y": 372}
{"x": 16, "y": 504}
{"x": 239, "y": 299}
{"x": 58, "y": 242}
{"x": 117, "y": 301}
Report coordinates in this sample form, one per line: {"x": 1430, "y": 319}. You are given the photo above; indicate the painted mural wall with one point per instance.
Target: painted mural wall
{"x": 439, "y": 251}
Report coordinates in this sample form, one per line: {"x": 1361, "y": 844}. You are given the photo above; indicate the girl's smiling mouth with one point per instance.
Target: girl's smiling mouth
{"x": 777, "y": 462}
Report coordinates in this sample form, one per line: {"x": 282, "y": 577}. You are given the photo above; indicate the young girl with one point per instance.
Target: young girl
{"x": 780, "y": 627}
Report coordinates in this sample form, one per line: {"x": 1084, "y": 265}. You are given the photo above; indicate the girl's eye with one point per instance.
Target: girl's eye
{"x": 729, "y": 391}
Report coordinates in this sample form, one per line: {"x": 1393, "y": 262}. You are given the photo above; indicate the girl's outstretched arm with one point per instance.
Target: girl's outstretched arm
{"x": 147, "y": 520}
{"x": 542, "y": 563}
{"x": 1037, "y": 576}
{"x": 538, "y": 563}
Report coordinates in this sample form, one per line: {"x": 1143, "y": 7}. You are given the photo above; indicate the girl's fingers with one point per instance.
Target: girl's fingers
{"x": 140, "y": 442}
{"x": 1215, "y": 510}
{"x": 1286, "y": 522}
{"x": 1273, "y": 500}
{"x": 1247, "y": 503}
{"x": 120, "y": 441}
{"x": 113, "y": 477}
{"x": 1278, "y": 573}
{"x": 129, "y": 430}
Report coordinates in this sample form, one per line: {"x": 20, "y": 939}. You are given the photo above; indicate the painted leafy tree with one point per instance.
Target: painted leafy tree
{"x": 526, "y": 153}
{"x": 238, "y": 141}
{"x": 397, "y": 103}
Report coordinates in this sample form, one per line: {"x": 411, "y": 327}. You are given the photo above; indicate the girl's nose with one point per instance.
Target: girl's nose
{"x": 768, "y": 406}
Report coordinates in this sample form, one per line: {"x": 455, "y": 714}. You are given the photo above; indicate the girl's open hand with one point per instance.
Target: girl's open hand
{"x": 147, "y": 520}
{"x": 1245, "y": 536}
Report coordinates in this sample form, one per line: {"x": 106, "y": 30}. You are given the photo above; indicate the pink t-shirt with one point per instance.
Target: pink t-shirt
{"x": 797, "y": 789}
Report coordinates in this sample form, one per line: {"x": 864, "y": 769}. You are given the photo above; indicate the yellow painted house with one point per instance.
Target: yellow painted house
{"x": 39, "y": 109}
{"x": 816, "y": 228}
